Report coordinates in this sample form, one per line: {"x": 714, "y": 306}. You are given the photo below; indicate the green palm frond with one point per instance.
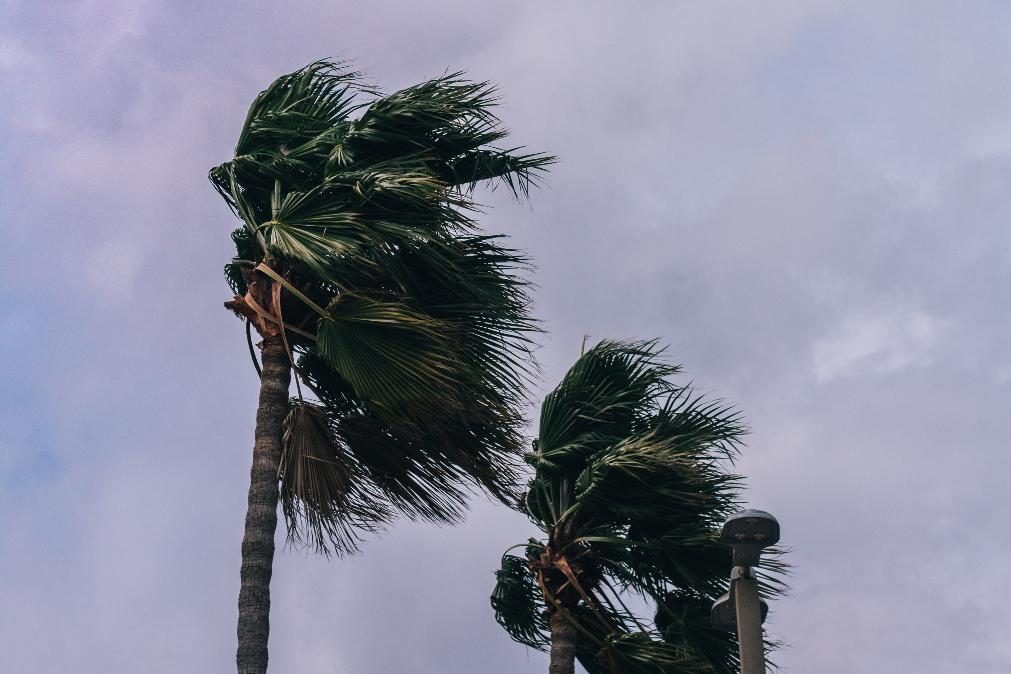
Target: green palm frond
{"x": 651, "y": 477}
{"x": 303, "y": 112}
{"x": 683, "y": 617}
{"x": 422, "y": 470}
{"x": 773, "y": 573}
{"x": 517, "y": 603}
{"x": 411, "y": 328}
{"x": 401, "y": 360}
{"x": 629, "y": 650}
{"x": 671, "y": 491}
{"x": 415, "y": 472}
{"x": 645, "y": 653}
{"x": 604, "y": 397}
{"x": 446, "y": 122}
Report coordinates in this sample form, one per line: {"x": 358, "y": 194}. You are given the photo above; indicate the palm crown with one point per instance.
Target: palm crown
{"x": 629, "y": 492}
{"x": 409, "y": 328}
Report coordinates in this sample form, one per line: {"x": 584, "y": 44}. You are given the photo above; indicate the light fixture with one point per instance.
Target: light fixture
{"x": 742, "y": 610}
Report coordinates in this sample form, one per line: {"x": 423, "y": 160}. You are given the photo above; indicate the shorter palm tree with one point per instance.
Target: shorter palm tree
{"x": 629, "y": 491}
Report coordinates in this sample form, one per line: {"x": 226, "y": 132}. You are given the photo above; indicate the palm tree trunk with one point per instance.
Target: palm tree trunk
{"x": 563, "y": 644}
{"x": 261, "y": 510}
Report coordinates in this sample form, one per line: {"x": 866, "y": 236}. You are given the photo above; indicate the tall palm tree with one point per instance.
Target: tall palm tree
{"x": 629, "y": 490}
{"x": 406, "y": 330}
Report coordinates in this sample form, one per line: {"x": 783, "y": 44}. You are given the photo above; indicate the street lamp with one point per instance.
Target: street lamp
{"x": 742, "y": 610}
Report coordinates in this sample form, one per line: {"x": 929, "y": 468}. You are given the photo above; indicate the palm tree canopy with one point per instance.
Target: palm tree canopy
{"x": 629, "y": 491}
{"x": 409, "y": 326}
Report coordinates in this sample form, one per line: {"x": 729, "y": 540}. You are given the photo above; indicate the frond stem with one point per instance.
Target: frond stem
{"x": 570, "y": 576}
{"x": 262, "y": 313}
{"x": 252, "y": 349}
{"x": 275, "y": 293}
{"x": 521, "y": 545}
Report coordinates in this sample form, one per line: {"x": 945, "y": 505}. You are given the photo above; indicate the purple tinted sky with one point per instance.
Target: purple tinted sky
{"x": 809, "y": 201}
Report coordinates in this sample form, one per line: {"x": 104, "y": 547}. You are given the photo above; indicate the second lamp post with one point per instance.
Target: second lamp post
{"x": 742, "y": 610}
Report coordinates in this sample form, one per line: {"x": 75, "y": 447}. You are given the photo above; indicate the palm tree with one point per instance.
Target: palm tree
{"x": 407, "y": 331}
{"x": 629, "y": 491}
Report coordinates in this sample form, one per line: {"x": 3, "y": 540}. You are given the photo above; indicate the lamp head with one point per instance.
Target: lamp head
{"x": 748, "y": 533}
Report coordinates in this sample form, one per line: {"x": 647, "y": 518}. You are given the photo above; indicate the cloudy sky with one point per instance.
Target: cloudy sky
{"x": 808, "y": 200}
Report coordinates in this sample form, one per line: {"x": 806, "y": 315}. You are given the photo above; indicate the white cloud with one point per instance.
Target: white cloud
{"x": 879, "y": 340}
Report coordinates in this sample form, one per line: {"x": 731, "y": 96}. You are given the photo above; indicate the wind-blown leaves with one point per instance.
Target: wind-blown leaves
{"x": 322, "y": 501}
{"x": 641, "y": 653}
{"x": 604, "y": 397}
{"x": 401, "y": 360}
{"x": 630, "y": 488}
{"x": 359, "y": 204}
{"x": 423, "y": 471}
{"x": 517, "y": 602}
{"x": 446, "y": 122}
{"x": 684, "y": 618}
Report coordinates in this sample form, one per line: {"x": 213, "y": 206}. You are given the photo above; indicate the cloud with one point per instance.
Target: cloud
{"x": 13, "y": 54}
{"x": 877, "y": 341}
{"x": 808, "y": 201}
{"x": 111, "y": 269}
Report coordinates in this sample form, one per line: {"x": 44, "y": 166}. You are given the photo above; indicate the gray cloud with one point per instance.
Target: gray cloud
{"x": 809, "y": 202}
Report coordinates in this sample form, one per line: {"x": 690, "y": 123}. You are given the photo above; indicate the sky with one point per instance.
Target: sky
{"x": 807, "y": 200}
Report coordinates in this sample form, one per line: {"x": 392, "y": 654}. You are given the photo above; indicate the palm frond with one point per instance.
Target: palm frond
{"x": 301, "y": 107}
{"x": 471, "y": 284}
{"x": 423, "y": 469}
{"x": 325, "y": 506}
{"x": 446, "y": 122}
{"x": 644, "y": 653}
{"x": 411, "y": 469}
{"x": 518, "y": 172}
{"x": 773, "y": 573}
{"x": 653, "y": 476}
{"x": 683, "y": 617}
{"x": 601, "y": 400}
{"x": 400, "y": 360}
{"x": 518, "y": 603}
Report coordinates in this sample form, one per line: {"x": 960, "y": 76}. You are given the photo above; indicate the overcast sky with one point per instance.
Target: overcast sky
{"x": 808, "y": 200}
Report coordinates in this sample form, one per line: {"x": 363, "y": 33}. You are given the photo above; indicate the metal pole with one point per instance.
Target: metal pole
{"x": 749, "y": 623}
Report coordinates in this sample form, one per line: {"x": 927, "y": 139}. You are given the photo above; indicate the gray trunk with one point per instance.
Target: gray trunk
{"x": 563, "y": 645}
{"x": 261, "y": 510}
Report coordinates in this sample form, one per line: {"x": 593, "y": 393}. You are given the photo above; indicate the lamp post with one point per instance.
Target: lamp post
{"x": 742, "y": 610}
